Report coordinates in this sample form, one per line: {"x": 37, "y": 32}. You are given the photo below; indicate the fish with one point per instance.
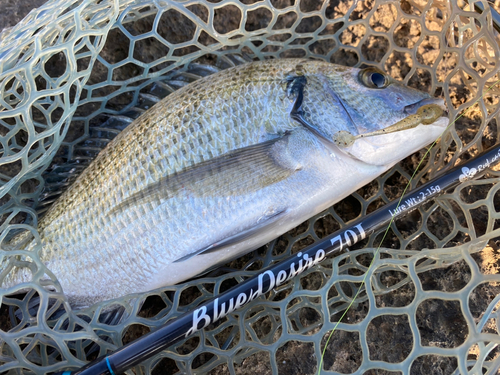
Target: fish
{"x": 221, "y": 167}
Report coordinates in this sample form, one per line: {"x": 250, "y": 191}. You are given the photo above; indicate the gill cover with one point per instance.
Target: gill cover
{"x": 388, "y": 119}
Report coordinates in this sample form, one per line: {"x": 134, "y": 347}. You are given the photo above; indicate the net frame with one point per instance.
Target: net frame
{"x": 48, "y": 117}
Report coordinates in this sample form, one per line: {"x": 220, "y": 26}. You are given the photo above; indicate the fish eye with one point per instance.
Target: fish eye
{"x": 373, "y": 78}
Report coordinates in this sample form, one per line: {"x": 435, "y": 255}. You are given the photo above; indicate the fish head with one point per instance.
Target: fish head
{"x": 370, "y": 101}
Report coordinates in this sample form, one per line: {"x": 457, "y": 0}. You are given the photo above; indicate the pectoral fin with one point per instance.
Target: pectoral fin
{"x": 235, "y": 173}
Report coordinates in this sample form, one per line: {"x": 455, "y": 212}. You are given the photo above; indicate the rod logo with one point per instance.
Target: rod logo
{"x": 349, "y": 237}
{"x": 266, "y": 281}
{"x": 467, "y": 174}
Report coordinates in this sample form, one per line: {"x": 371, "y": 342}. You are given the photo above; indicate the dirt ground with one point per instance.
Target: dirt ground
{"x": 13, "y": 11}
{"x": 387, "y": 342}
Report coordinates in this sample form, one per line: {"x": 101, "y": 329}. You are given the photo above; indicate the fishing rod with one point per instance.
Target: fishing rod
{"x": 218, "y": 307}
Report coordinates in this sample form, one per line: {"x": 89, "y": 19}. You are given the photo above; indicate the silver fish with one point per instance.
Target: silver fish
{"x": 221, "y": 167}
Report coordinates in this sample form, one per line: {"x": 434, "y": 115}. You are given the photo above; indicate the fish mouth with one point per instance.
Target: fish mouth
{"x": 413, "y": 108}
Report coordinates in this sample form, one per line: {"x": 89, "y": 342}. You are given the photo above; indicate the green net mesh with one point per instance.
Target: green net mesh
{"x": 74, "y": 73}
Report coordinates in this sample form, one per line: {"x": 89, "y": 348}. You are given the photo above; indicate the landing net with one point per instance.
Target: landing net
{"x": 73, "y": 74}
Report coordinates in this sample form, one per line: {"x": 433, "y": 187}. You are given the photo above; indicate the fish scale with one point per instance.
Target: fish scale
{"x": 214, "y": 170}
